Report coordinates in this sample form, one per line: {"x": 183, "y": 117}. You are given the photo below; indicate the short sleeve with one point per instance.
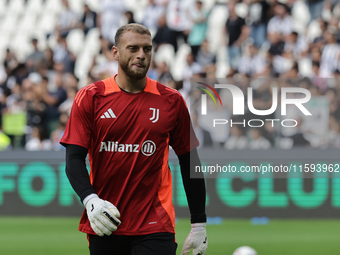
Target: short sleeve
{"x": 78, "y": 130}
{"x": 182, "y": 137}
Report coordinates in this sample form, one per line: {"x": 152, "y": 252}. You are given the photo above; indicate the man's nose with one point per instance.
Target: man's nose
{"x": 141, "y": 54}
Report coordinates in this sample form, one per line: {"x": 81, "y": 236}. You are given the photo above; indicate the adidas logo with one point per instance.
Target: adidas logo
{"x": 108, "y": 114}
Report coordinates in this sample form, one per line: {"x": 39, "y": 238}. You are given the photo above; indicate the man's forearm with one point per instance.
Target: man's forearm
{"x": 76, "y": 171}
{"x": 194, "y": 188}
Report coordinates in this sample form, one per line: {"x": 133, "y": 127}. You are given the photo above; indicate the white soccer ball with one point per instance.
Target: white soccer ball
{"x": 245, "y": 250}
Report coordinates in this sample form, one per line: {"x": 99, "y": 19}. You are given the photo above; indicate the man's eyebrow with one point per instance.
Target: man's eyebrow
{"x": 136, "y": 45}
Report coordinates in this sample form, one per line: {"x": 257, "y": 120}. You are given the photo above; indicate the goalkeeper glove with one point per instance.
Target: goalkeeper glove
{"x": 197, "y": 240}
{"x": 103, "y": 215}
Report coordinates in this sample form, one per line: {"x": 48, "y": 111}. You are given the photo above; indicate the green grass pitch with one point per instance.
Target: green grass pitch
{"x": 52, "y": 236}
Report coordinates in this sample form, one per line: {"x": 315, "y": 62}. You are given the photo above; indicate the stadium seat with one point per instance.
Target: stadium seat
{"x": 46, "y": 23}
{"x": 21, "y": 45}
{"x": 42, "y": 40}
{"x": 75, "y": 40}
{"x": 92, "y": 43}
{"x": 16, "y": 6}
{"x": 216, "y": 23}
{"x": 300, "y": 12}
{"x": 35, "y": 6}
{"x": 241, "y": 10}
{"x": 3, "y": 8}
{"x": 300, "y": 16}
{"x": 52, "y": 41}
{"x": 208, "y": 4}
{"x": 4, "y": 42}
{"x": 27, "y": 23}
{"x": 53, "y": 7}
{"x": 77, "y": 6}
{"x": 165, "y": 53}
{"x": 313, "y": 30}
{"x": 222, "y": 66}
{"x": 82, "y": 66}
{"x": 94, "y": 5}
{"x": 9, "y": 23}
{"x": 180, "y": 61}
{"x": 305, "y": 67}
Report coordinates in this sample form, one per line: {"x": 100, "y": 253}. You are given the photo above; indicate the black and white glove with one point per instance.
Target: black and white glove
{"x": 102, "y": 214}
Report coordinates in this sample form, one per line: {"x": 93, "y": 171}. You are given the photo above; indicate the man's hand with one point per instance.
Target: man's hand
{"x": 197, "y": 240}
{"x": 103, "y": 216}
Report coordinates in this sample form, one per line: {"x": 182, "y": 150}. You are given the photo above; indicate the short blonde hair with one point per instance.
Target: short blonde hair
{"x": 133, "y": 27}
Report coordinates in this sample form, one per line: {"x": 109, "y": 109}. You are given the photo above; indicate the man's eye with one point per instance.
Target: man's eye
{"x": 133, "y": 48}
{"x": 147, "y": 49}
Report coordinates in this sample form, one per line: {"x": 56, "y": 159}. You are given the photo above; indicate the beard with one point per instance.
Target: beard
{"x": 136, "y": 74}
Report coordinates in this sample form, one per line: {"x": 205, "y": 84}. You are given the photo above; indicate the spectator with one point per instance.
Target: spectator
{"x": 202, "y": 135}
{"x": 38, "y": 140}
{"x": 257, "y": 141}
{"x": 163, "y": 35}
{"x": 315, "y": 8}
{"x": 298, "y": 138}
{"x": 237, "y": 139}
{"x": 293, "y": 73}
{"x": 296, "y": 44}
{"x": 164, "y": 73}
{"x": 35, "y": 107}
{"x": 252, "y": 65}
{"x": 280, "y": 26}
{"x": 56, "y": 135}
{"x": 67, "y": 20}
{"x": 10, "y": 61}
{"x": 258, "y": 18}
{"x": 153, "y": 71}
{"x": 88, "y": 20}
{"x": 152, "y": 13}
{"x": 315, "y": 54}
{"x": 237, "y": 32}
{"x": 191, "y": 68}
{"x": 330, "y": 55}
{"x": 206, "y": 59}
{"x": 179, "y": 19}
{"x": 198, "y": 31}
{"x": 64, "y": 59}
{"x": 65, "y": 107}
{"x": 130, "y": 17}
{"x": 52, "y": 100}
{"x": 35, "y": 60}
{"x": 110, "y": 18}
{"x": 49, "y": 59}
{"x": 105, "y": 68}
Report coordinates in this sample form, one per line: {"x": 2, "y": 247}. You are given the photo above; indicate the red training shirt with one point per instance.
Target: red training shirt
{"x": 128, "y": 136}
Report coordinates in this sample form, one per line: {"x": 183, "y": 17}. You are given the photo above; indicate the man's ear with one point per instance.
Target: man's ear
{"x": 115, "y": 52}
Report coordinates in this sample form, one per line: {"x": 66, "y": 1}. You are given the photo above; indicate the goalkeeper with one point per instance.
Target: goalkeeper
{"x": 126, "y": 124}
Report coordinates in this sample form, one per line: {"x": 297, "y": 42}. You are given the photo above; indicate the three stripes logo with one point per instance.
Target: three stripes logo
{"x": 204, "y": 97}
{"x": 109, "y": 114}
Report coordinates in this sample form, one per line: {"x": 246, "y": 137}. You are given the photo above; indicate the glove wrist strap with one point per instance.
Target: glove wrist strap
{"x": 88, "y": 198}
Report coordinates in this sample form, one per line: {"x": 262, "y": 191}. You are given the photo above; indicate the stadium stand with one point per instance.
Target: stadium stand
{"x": 75, "y": 59}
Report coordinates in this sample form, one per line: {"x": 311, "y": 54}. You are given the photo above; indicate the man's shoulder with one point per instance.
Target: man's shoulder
{"x": 97, "y": 87}
{"x": 165, "y": 90}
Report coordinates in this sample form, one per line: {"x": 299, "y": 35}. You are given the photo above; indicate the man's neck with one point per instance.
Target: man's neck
{"x": 129, "y": 85}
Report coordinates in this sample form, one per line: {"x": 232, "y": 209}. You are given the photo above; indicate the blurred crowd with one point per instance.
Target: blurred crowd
{"x": 291, "y": 40}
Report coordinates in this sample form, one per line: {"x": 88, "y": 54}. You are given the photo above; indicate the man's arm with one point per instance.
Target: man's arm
{"x": 194, "y": 188}
{"x": 76, "y": 171}
{"x": 103, "y": 215}
{"x": 195, "y": 191}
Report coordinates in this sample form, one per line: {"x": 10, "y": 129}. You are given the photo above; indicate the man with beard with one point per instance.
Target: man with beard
{"x": 126, "y": 124}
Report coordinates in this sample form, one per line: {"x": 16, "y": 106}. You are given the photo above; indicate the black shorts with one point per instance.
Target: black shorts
{"x": 152, "y": 244}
